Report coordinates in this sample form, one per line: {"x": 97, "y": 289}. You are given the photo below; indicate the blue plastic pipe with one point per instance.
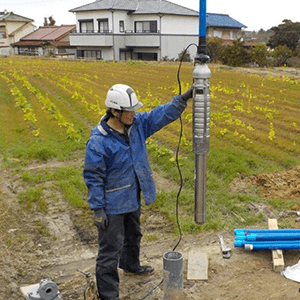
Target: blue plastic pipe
{"x": 240, "y": 232}
{"x": 202, "y": 29}
{"x": 202, "y": 18}
{"x": 269, "y": 237}
{"x": 272, "y": 239}
{"x": 268, "y": 245}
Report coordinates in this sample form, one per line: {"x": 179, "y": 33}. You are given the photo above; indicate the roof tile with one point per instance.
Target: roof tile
{"x": 138, "y": 7}
{"x": 156, "y": 7}
{"x": 220, "y": 20}
{"x": 51, "y": 33}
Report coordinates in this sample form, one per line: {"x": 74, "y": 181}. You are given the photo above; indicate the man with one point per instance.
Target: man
{"x": 116, "y": 170}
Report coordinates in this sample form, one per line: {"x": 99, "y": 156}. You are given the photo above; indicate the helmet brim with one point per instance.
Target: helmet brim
{"x": 133, "y": 108}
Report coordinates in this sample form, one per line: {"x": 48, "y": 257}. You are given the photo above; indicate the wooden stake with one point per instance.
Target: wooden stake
{"x": 277, "y": 255}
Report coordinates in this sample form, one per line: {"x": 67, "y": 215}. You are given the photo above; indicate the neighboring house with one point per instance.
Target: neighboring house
{"x": 142, "y": 29}
{"x": 223, "y": 27}
{"x": 12, "y": 28}
{"x": 52, "y": 40}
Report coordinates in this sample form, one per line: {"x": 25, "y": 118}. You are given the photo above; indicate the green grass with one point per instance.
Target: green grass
{"x": 33, "y": 196}
{"x": 254, "y": 129}
{"x": 71, "y": 184}
{"x": 66, "y": 180}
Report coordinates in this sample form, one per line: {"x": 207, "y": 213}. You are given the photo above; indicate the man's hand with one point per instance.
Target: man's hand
{"x": 100, "y": 218}
{"x": 187, "y": 95}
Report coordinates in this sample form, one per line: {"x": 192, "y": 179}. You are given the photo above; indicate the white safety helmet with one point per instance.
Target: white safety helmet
{"x": 122, "y": 97}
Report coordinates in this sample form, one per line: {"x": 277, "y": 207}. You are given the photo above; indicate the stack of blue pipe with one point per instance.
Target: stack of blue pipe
{"x": 273, "y": 239}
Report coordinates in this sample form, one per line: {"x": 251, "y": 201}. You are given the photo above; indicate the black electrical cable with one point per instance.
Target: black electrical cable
{"x": 177, "y": 150}
{"x": 178, "y": 168}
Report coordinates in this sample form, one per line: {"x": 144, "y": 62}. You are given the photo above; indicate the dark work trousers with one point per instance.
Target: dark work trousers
{"x": 119, "y": 243}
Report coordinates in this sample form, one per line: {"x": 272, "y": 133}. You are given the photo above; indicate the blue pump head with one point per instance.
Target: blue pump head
{"x": 201, "y": 53}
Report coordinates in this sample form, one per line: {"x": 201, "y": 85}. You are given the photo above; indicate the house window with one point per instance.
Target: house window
{"x": 145, "y": 26}
{"x": 89, "y": 54}
{"x": 86, "y": 26}
{"x": 218, "y": 33}
{"x": 233, "y": 35}
{"x": 103, "y": 25}
{"x": 121, "y": 26}
{"x": 147, "y": 56}
{"x": 2, "y": 32}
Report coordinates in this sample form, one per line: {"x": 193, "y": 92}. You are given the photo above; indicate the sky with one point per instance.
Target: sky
{"x": 255, "y": 14}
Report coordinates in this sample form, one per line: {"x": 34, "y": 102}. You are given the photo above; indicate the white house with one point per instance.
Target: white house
{"x": 138, "y": 29}
{"x": 12, "y": 28}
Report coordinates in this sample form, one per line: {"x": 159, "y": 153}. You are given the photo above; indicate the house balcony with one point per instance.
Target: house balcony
{"x": 96, "y": 39}
{"x": 142, "y": 39}
{"x": 106, "y": 39}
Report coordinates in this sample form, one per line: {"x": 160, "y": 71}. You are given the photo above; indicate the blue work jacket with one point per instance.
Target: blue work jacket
{"x": 115, "y": 171}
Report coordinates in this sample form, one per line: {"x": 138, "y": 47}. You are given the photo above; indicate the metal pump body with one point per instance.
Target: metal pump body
{"x": 201, "y": 121}
{"x": 47, "y": 290}
{"x": 201, "y": 117}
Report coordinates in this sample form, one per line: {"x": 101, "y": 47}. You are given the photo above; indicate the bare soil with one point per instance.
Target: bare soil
{"x": 62, "y": 245}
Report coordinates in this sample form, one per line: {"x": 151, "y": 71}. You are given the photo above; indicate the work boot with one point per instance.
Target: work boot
{"x": 142, "y": 270}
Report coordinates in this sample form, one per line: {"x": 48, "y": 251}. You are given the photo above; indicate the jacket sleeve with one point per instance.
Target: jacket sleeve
{"x": 94, "y": 174}
{"x": 162, "y": 115}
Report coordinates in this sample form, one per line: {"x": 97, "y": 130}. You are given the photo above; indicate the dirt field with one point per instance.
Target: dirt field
{"x": 56, "y": 245}
{"x": 69, "y": 246}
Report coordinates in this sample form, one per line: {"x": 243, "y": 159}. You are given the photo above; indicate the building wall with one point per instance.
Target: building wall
{"x": 123, "y": 16}
{"x": 91, "y": 39}
{"x": 174, "y": 25}
{"x": 167, "y": 24}
{"x": 226, "y": 34}
{"x": 21, "y": 29}
{"x": 113, "y": 19}
{"x": 12, "y": 26}
{"x": 27, "y": 29}
{"x": 173, "y": 45}
{"x": 65, "y": 39}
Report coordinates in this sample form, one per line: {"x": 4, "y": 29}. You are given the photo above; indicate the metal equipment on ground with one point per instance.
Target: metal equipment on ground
{"x": 46, "y": 290}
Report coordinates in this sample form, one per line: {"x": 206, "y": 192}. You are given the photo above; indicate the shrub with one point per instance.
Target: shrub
{"x": 294, "y": 61}
{"x": 282, "y": 54}
{"x": 184, "y": 56}
{"x": 259, "y": 55}
{"x": 297, "y": 51}
{"x": 213, "y": 48}
{"x": 235, "y": 55}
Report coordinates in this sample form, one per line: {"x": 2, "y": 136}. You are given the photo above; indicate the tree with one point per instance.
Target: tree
{"x": 287, "y": 33}
{"x": 281, "y": 54}
{"x": 235, "y": 55}
{"x": 214, "y": 45}
{"x": 184, "y": 56}
{"x": 51, "y": 21}
{"x": 259, "y": 55}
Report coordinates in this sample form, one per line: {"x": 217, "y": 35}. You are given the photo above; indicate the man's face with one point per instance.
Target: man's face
{"x": 127, "y": 117}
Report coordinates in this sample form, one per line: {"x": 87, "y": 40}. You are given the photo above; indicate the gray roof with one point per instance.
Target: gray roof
{"x": 138, "y": 7}
{"x": 10, "y": 16}
{"x": 108, "y": 4}
{"x": 143, "y": 7}
{"x": 163, "y": 7}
